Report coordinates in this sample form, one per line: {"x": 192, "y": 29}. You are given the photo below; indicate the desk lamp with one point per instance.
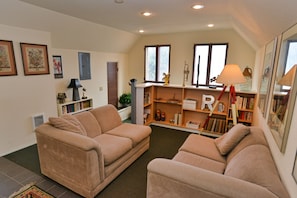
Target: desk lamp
{"x": 75, "y": 84}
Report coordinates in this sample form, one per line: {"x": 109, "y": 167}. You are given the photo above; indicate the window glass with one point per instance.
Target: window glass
{"x": 157, "y": 61}
{"x": 150, "y": 69}
{"x": 291, "y": 59}
{"x": 211, "y": 59}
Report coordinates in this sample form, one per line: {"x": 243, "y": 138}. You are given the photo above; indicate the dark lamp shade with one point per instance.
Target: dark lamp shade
{"x": 74, "y": 83}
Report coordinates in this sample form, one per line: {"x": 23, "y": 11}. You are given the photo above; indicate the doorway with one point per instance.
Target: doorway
{"x": 112, "y": 83}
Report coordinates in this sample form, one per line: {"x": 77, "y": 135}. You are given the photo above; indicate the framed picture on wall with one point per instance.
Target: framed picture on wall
{"x": 84, "y": 66}
{"x": 7, "y": 59}
{"x": 35, "y": 59}
{"x": 58, "y": 69}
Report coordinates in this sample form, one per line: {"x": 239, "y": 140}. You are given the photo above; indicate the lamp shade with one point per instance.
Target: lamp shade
{"x": 231, "y": 75}
{"x": 74, "y": 83}
{"x": 288, "y": 78}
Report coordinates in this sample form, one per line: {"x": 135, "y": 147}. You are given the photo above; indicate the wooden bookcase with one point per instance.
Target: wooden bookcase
{"x": 73, "y": 107}
{"x": 182, "y": 108}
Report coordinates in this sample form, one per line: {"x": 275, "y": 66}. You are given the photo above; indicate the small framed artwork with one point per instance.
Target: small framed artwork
{"x": 35, "y": 59}
{"x": 58, "y": 70}
{"x": 7, "y": 59}
{"x": 84, "y": 66}
{"x": 37, "y": 120}
{"x": 294, "y": 172}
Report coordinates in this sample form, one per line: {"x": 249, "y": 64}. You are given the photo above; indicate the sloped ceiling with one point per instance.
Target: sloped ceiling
{"x": 258, "y": 21}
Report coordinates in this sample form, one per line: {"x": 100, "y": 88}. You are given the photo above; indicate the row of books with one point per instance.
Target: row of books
{"x": 75, "y": 107}
{"x": 216, "y": 125}
{"x": 244, "y": 102}
{"x": 243, "y": 115}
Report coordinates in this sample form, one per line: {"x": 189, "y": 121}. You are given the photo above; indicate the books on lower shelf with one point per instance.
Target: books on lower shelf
{"x": 216, "y": 125}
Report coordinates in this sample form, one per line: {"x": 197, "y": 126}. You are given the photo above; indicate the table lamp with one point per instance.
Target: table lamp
{"x": 286, "y": 80}
{"x": 75, "y": 84}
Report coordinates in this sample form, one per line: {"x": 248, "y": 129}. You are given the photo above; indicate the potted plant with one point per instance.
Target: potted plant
{"x": 125, "y": 99}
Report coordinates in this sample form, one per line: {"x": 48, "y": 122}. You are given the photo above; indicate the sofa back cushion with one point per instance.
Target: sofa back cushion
{"x": 68, "y": 123}
{"x": 90, "y": 123}
{"x": 254, "y": 164}
{"x": 107, "y": 117}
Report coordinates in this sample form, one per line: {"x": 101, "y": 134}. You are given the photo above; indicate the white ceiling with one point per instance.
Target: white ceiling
{"x": 258, "y": 21}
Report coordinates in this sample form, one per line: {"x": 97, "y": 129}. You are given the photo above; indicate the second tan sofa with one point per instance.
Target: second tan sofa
{"x": 86, "y": 151}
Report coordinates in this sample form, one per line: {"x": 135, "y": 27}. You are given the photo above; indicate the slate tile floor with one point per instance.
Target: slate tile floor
{"x": 13, "y": 177}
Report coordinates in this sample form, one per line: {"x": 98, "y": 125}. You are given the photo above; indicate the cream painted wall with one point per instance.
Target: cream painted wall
{"x": 23, "y": 96}
{"x": 98, "y": 74}
{"x": 182, "y": 45}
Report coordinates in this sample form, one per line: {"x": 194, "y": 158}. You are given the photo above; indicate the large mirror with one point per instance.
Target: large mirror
{"x": 284, "y": 89}
{"x": 267, "y": 72}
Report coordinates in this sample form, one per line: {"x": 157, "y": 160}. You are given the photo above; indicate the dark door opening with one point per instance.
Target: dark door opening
{"x": 112, "y": 83}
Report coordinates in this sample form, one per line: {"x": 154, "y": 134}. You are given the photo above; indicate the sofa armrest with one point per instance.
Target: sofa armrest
{"x": 169, "y": 178}
{"x": 69, "y": 158}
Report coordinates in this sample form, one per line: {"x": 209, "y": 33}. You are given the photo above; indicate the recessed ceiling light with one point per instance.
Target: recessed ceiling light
{"x": 146, "y": 13}
{"x": 119, "y": 1}
{"x": 197, "y": 6}
{"x": 141, "y": 31}
{"x": 210, "y": 25}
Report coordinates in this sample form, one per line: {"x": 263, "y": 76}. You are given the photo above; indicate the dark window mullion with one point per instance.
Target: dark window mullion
{"x": 157, "y": 64}
{"x": 208, "y": 64}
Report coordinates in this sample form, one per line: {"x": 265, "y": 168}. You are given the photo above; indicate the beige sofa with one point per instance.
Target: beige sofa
{"x": 237, "y": 165}
{"x": 86, "y": 151}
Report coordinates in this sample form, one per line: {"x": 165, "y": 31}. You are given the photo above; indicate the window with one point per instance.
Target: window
{"x": 157, "y": 61}
{"x": 291, "y": 59}
{"x": 209, "y": 61}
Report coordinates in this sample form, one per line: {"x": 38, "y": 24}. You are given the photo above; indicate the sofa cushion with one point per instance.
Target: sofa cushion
{"x": 136, "y": 133}
{"x": 113, "y": 147}
{"x": 203, "y": 146}
{"x": 200, "y": 161}
{"x": 89, "y": 122}
{"x": 68, "y": 123}
{"x": 229, "y": 140}
{"x": 255, "y": 164}
{"x": 107, "y": 117}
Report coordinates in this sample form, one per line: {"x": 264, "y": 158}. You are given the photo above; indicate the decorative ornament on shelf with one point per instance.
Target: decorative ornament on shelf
{"x": 186, "y": 73}
{"x": 75, "y": 84}
{"x": 61, "y": 97}
{"x": 84, "y": 93}
{"x": 166, "y": 78}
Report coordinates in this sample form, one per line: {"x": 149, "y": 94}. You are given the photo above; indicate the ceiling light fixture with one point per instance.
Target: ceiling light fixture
{"x": 141, "y": 31}
{"x": 146, "y": 14}
{"x": 119, "y": 1}
{"x": 197, "y": 6}
{"x": 210, "y": 25}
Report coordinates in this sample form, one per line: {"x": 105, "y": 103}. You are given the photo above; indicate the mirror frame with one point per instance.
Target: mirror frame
{"x": 267, "y": 71}
{"x": 280, "y": 126}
